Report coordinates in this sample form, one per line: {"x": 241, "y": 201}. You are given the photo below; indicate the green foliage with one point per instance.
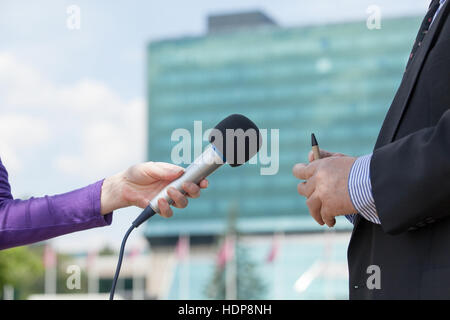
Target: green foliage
{"x": 248, "y": 284}
{"x": 107, "y": 251}
{"x": 216, "y": 288}
{"x": 19, "y": 267}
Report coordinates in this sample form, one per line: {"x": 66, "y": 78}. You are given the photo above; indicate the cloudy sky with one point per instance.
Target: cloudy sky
{"x": 72, "y": 102}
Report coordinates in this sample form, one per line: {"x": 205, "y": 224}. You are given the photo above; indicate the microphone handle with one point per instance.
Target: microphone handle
{"x": 202, "y": 167}
{"x": 208, "y": 162}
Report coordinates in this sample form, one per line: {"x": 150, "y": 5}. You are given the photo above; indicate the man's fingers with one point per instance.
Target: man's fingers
{"x": 330, "y": 222}
{"x": 192, "y": 190}
{"x": 164, "y": 208}
{"x": 180, "y": 201}
{"x": 326, "y": 154}
{"x": 162, "y": 170}
{"x": 314, "y": 205}
{"x": 301, "y": 189}
{"x": 307, "y": 188}
{"x": 323, "y": 154}
{"x": 303, "y": 171}
{"x": 327, "y": 218}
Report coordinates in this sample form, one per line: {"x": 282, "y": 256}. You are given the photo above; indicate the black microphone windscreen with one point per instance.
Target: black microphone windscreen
{"x": 237, "y": 138}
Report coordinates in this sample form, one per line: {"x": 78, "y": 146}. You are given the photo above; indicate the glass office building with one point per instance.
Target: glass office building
{"x": 335, "y": 80}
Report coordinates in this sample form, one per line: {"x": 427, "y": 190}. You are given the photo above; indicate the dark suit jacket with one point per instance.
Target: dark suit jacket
{"x": 410, "y": 174}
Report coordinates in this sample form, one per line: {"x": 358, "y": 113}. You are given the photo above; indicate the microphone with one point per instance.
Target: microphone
{"x": 234, "y": 140}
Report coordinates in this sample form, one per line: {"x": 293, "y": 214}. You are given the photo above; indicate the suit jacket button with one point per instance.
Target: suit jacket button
{"x": 421, "y": 224}
{"x": 429, "y": 220}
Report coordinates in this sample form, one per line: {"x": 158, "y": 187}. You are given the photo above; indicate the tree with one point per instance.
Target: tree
{"x": 19, "y": 267}
{"x": 107, "y": 251}
{"x": 248, "y": 284}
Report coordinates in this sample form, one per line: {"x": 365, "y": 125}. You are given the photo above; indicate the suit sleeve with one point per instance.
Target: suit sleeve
{"x": 411, "y": 178}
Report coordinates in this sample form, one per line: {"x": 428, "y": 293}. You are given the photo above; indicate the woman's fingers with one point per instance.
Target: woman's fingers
{"x": 164, "y": 208}
{"x": 179, "y": 199}
{"x": 204, "y": 184}
{"x": 192, "y": 190}
{"x": 162, "y": 170}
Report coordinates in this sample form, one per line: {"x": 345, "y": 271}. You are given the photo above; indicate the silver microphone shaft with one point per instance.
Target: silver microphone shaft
{"x": 208, "y": 162}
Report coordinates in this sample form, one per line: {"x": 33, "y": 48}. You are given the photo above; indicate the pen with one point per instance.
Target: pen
{"x": 315, "y": 147}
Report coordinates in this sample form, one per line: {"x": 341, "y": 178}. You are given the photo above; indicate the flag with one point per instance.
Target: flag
{"x": 91, "y": 271}
{"x": 134, "y": 252}
{"x": 182, "y": 255}
{"x": 49, "y": 257}
{"x": 50, "y": 269}
{"x": 182, "y": 247}
{"x": 226, "y": 252}
{"x": 274, "y": 249}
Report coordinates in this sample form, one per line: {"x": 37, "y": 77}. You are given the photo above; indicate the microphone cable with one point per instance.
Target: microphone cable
{"x": 145, "y": 215}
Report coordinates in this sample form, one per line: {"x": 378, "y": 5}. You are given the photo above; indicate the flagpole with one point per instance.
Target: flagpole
{"x": 231, "y": 271}
{"x": 8, "y": 292}
{"x": 277, "y": 278}
{"x": 92, "y": 272}
{"x": 92, "y": 281}
{"x": 50, "y": 270}
{"x": 184, "y": 275}
{"x": 328, "y": 252}
{"x": 50, "y": 280}
{"x": 138, "y": 285}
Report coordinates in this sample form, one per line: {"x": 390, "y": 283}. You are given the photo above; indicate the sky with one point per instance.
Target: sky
{"x": 72, "y": 102}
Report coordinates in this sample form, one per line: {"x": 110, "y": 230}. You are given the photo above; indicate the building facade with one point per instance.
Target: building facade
{"x": 335, "y": 80}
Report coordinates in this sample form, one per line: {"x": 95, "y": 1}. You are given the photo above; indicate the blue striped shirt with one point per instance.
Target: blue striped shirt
{"x": 360, "y": 190}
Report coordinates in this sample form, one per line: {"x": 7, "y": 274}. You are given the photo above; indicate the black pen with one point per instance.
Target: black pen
{"x": 315, "y": 147}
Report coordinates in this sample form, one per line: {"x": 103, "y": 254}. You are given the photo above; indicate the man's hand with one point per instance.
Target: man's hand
{"x": 326, "y": 186}
{"x": 142, "y": 182}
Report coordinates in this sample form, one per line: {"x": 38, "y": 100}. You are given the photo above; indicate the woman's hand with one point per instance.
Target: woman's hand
{"x": 142, "y": 182}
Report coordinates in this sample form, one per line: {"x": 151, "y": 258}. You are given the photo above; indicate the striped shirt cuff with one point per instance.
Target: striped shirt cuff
{"x": 360, "y": 190}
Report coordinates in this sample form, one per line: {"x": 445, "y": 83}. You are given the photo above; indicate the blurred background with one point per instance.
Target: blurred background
{"x": 88, "y": 88}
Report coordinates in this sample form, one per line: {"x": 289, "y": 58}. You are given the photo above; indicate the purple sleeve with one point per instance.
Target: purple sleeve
{"x": 26, "y": 221}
